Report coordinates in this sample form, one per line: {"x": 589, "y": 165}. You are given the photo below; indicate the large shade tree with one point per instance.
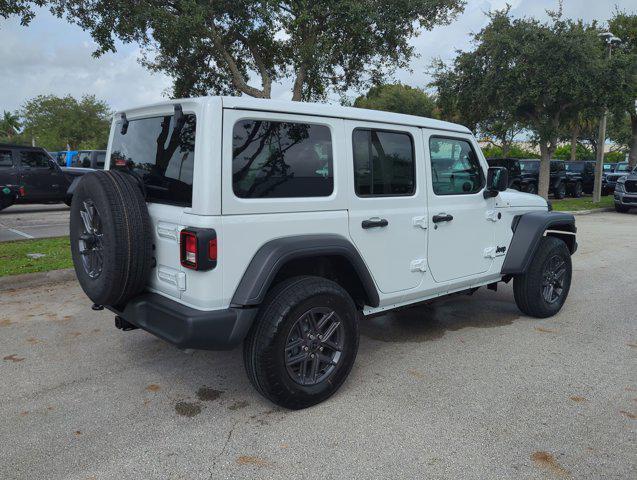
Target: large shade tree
{"x": 245, "y": 46}
{"x": 538, "y": 75}
{"x": 398, "y": 98}
{"x": 55, "y": 122}
{"x": 623, "y": 104}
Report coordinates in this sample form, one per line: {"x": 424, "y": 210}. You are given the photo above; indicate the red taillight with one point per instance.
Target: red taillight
{"x": 198, "y": 248}
{"x": 21, "y": 191}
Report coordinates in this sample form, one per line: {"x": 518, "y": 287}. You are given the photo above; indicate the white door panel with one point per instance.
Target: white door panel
{"x": 459, "y": 240}
{"x": 167, "y": 276}
{"x": 395, "y": 251}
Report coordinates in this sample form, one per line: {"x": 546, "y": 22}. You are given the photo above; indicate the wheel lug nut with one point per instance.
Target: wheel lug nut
{"x": 320, "y": 349}
{"x": 312, "y": 355}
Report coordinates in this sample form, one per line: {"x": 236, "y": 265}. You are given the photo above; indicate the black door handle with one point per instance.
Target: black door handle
{"x": 442, "y": 217}
{"x": 374, "y": 223}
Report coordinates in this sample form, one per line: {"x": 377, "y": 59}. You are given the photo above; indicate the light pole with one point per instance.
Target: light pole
{"x": 610, "y": 39}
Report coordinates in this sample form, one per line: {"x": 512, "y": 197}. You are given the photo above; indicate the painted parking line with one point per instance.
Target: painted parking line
{"x": 18, "y": 232}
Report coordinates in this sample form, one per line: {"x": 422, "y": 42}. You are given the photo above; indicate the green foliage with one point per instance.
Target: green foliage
{"x": 14, "y": 260}
{"x": 9, "y": 127}
{"x": 211, "y": 47}
{"x": 514, "y": 151}
{"x": 55, "y": 122}
{"x": 614, "y": 157}
{"x": 526, "y": 73}
{"x": 22, "y": 8}
{"x": 563, "y": 152}
{"x": 398, "y": 98}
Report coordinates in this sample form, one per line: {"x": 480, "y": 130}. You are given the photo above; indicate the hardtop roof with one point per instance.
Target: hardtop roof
{"x": 314, "y": 109}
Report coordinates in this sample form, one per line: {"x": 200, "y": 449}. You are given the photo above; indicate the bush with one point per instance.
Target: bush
{"x": 514, "y": 152}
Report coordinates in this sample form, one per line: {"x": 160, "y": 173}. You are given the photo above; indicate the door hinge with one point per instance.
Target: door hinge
{"x": 492, "y": 252}
{"x": 420, "y": 222}
{"x": 418, "y": 265}
{"x": 493, "y": 215}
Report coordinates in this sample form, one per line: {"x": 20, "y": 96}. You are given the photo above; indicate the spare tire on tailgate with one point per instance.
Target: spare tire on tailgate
{"x": 111, "y": 237}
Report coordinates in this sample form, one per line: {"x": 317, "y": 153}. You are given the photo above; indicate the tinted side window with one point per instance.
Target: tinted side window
{"x": 99, "y": 159}
{"x": 5, "y": 159}
{"x": 281, "y": 159}
{"x": 34, "y": 159}
{"x": 455, "y": 168}
{"x": 161, "y": 154}
{"x": 383, "y": 163}
{"x": 83, "y": 159}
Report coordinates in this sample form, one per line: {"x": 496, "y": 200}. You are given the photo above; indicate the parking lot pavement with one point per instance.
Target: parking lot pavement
{"x": 20, "y": 222}
{"x": 463, "y": 388}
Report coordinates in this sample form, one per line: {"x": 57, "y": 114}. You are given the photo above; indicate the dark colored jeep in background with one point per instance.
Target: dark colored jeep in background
{"x": 621, "y": 170}
{"x": 517, "y": 179}
{"x": 584, "y": 172}
{"x": 559, "y": 184}
{"x": 37, "y": 176}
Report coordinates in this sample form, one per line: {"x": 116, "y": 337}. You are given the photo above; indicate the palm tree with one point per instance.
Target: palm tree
{"x": 9, "y": 125}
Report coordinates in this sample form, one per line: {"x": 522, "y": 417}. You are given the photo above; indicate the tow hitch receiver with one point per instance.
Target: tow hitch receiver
{"x": 123, "y": 324}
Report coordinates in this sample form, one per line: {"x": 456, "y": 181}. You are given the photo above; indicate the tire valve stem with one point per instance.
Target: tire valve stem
{"x": 97, "y": 307}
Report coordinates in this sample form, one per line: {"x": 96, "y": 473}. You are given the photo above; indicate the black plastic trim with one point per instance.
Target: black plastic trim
{"x": 272, "y": 256}
{"x": 528, "y": 231}
{"x": 187, "y": 327}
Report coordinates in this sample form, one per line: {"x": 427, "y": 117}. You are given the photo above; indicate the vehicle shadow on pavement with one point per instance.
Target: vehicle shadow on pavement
{"x": 432, "y": 320}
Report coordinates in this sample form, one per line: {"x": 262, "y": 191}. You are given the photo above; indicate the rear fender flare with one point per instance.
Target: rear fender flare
{"x": 273, "y": 255}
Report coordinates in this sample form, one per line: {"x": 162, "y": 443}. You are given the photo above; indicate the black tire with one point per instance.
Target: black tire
{"x": 621, "y": 208}
{"x": 560, "y": 191}
{"x": 531, "y": 188}
{"x": 529, "y": 289}
{"x": 577, "y": 190}
{"x": 265, "y": 352}
{"x": 121, "y": 217}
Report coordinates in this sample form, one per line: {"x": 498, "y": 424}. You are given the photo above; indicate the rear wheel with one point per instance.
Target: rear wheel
{"x": 303, "y": 343}
{"x": 543, "y": 289}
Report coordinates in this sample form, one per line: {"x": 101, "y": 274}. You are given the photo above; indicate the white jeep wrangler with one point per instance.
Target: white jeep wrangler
{"x": 282, "y": 225}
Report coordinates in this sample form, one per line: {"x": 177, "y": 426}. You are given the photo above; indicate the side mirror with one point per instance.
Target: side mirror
{"x": 497, "y": 181}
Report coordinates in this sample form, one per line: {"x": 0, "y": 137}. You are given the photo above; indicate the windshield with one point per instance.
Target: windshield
{"x": 575, "y": 167}
{"x": 530, "y": 166}
{"x": 162, "y": 155}
{"x": 622, "y": 167}
{"x": 608, "y": 167}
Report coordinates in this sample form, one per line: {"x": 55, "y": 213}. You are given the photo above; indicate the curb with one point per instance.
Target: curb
{"x": 588, "y": 212}
{"x": 37, "y": 279}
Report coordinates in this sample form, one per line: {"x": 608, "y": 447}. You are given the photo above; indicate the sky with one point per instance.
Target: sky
{"x": 52, "y": 56}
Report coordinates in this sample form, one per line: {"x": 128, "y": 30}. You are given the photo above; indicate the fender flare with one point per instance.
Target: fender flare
{"x": 528, "y": 230}
{"x": 273, "y": 255}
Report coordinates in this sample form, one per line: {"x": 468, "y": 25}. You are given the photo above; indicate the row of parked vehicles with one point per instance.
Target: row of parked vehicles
{"x": 567, "y": 178}
{"x": 33, "y": 175}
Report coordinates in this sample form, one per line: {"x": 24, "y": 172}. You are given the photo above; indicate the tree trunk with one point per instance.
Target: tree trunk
{"x": 632, "y": 156}
{"x": 299, "y": 81}
{"x": 546, "y": 151}
{"x": 506, "y": 147}
{"x": 574, "y": 136}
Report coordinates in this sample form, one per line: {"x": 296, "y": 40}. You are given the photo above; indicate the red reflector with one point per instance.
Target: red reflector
{"x": 21, "y": 191}
{"x": 120, "y": 162}
{"x": 212, "y": 249}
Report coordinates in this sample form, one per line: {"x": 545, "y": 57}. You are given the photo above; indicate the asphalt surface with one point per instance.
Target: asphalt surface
{"x": 21, "y": 222}
{"x": 463, "y": 388}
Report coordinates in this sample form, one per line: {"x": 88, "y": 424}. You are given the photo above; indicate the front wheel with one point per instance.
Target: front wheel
{"x": 303, "y": 343}
{"x": 560, "y": 191}
{"x": 577, "y": 190}
{"x": 543, "y": 289}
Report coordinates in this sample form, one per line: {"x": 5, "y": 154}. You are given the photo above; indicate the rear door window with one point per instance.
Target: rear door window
{"x": 281, "y": 159}
{"x": 162, "y": 155}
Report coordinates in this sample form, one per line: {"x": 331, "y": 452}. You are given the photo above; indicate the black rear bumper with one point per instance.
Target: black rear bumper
{"x": 187, "y": 327}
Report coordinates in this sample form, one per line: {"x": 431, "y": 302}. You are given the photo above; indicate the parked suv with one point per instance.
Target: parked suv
{"x": 89, "y": 159}
{"x": 40, "y": 178}
{"x": 582, "y": 172}
{"x": 518, "y": 180}
{"x": 626, "y": 192}
{"x": 283, "y": 225}
{"x": 559, "y": 183}
{"x": 621, "y": 170}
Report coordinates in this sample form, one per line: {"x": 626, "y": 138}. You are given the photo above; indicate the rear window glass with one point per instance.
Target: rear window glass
{"x": 281, "y": 159}
{"x": 160, "y": 154}
{"x": 5, "y": 159}
{"x": 99, "y": 160}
